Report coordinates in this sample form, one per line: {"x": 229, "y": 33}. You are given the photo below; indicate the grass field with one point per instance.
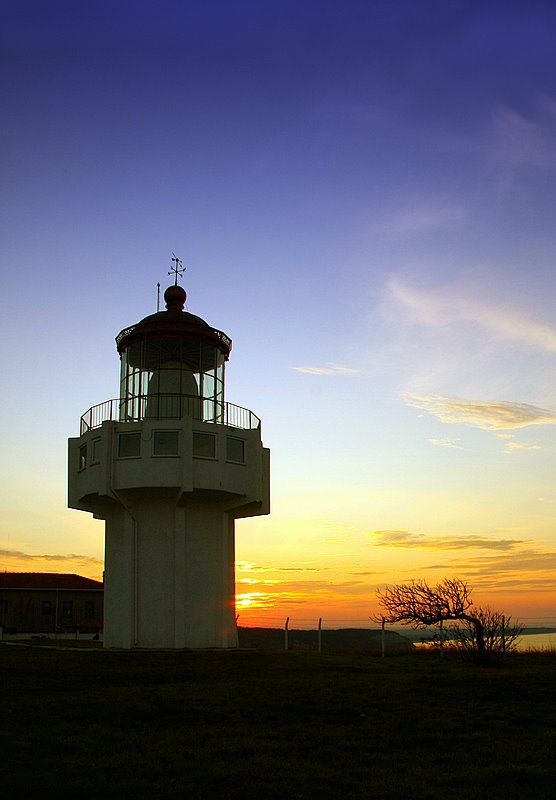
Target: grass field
{"x": 248, "y": 724}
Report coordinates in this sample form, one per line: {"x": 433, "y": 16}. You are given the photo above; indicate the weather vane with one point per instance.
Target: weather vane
{"x": 177, "y": 269}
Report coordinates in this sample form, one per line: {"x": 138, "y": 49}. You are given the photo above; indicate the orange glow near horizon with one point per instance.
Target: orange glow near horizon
{"x": 346, "y": 597}
{"x": 337, "y": 587}
{"x": 257, "y": 609}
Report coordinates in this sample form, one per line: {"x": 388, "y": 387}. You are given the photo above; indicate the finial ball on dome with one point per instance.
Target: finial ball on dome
{"x": 175, "y": 297}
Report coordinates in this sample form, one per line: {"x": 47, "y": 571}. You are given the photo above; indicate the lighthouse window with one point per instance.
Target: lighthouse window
{"x": 166, "y": 443}
{"x": 83, "y": 456}
{"x": 129, "y": 445}
{"x": 235, "y": 450}
{"x": 96, "y": 450}
{"x": 204, "y": 445}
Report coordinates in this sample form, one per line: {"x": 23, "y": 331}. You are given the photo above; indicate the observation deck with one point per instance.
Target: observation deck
{"x": 168, "y": 406}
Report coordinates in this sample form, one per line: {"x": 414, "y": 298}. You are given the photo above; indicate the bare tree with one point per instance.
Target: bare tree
{"x": 500, "y": 633}
{"x": 421, "y": 605}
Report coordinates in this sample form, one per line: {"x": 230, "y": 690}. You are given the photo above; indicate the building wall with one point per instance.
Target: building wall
{"x": 97, "y": 470}
{"x": 42, "y": 611}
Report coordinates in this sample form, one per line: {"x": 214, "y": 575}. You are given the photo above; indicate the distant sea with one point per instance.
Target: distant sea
{"x": 537, "y": 641}
{"x": 527, "y": 641}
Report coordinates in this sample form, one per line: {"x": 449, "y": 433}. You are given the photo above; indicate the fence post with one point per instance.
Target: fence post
{"x": 503, "y": 633}
{"x": 286, "y": 633}
{"x": 320, "y": 635}
{"x": 441, "y": 637}
{"x": 383, "y": 638}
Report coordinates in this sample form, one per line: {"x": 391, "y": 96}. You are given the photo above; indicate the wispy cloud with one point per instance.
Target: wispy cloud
{"x": 443, "y": 308}
{"x": 514, "y": 140}
{"x": 302, "y": 569}
{"x": 508, "y": 570}
{"x": 286, "y": 593}
{"x": 449, "y": 443}
{"x": 257, "y": 581}
{"x": 522, "y": 562}
{"x": 481, "y": 414}
{"x": 407, "y": 539}
{"x": 419, "y": 218}
{"x": 329, "y": 369}
{"x": 511, "y": 447}
{"x": 251, "y": 568}
{"x": 19, "y": 555}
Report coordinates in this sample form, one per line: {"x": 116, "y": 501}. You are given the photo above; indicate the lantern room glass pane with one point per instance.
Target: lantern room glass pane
{"x": 165, "y": 377}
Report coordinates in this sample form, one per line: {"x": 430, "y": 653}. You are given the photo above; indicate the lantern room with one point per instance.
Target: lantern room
{"x": 172, "y": 365}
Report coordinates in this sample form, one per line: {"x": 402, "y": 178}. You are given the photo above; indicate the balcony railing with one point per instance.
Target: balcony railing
{"x": 168, "y": 406}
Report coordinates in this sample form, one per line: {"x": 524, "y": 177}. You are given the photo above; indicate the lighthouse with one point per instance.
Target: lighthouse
{"x": 169, "y": 466}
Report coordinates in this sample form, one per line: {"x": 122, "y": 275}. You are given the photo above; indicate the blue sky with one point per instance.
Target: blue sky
{"x": 363, "y": 194}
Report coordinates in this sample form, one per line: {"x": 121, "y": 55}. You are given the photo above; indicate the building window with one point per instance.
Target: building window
{"x": 96, "y": 451}
{"x": 235, "y": 450}
{"x": 204, "y": 445}
{"x": 89, "y": 609}
{"x": 129, "y": 445}
{"x": 67, "y": 609}
{"x": 166, "y": 443}
{"x": 83, "y": 456}
{"x": 3, "y": 606}
{"x": 46, "y": 607}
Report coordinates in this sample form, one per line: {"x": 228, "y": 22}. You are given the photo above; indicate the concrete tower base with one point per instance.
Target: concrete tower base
{"x": 169, "y": 576}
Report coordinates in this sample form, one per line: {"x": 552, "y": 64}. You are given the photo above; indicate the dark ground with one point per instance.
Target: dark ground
{"x": 253, "y": 724}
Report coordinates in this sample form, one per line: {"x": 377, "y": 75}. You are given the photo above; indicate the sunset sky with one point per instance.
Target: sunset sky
{"x": 364, "y": 196}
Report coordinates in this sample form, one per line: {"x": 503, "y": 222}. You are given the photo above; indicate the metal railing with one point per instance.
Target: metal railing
{"x": 168, "y": 406}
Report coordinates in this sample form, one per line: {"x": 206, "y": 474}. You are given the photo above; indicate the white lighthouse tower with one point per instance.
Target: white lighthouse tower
{"x": 170, "y": 466}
